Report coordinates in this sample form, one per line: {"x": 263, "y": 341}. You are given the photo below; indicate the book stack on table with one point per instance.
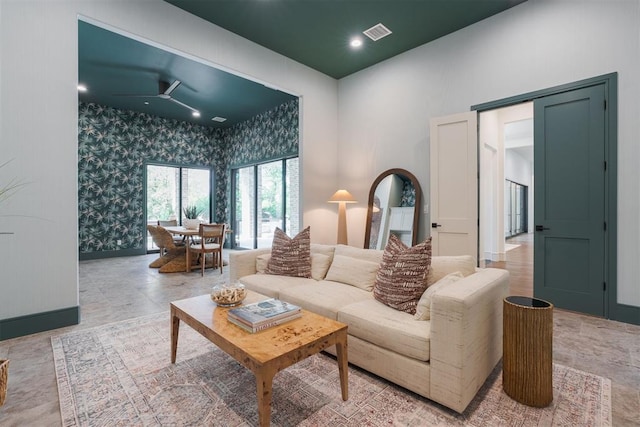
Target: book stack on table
{"x": 264, "y": 314}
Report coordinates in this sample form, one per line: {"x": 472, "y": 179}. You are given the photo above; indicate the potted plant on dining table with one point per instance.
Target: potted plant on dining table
{"x": 191, "y": 214}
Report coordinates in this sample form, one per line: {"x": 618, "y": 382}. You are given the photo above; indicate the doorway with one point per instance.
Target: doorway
{"x": 506, "y": 197}
{"x": 575, "y": 186}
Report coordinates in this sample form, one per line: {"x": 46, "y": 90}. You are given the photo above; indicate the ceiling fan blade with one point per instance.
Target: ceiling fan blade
{"x": 183, "y": 104}
{"x": 171, "y": 87}
{"x": 130, "y": 95}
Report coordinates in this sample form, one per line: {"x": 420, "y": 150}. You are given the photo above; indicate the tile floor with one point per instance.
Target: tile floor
{"x": 121, "y": 288}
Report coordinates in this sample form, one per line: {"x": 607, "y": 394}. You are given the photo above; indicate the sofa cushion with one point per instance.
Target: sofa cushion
{"x": 443, "y": 265}
{"x": 261, "y": 263}
{"x": 402, "y": 276}
{"x": 317, "y": 248}
{"x": 394, "y": 330}
{"x": 324, "y": 298}
{"x": 271, "y": 286}
{"x": 423, "y": 309}
{"x": 353, "y": 271}
{"x": 290, "y": 256}
{"x": 320, "y": 264}
{"x": 372, "y": 255}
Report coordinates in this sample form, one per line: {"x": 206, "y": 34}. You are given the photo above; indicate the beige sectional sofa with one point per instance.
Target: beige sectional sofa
{"x": 445, "y": 359}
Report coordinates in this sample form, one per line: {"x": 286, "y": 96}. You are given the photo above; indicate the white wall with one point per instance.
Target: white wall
{"x": 491, "y": 149}
{"x": 38, "y": 129}
{"x": 384, "y": 110}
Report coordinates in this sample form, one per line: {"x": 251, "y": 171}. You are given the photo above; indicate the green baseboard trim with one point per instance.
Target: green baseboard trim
{"x": 84, "y": 256}
{"x": 38, "y": 322}
{"x": 626, "y": 313}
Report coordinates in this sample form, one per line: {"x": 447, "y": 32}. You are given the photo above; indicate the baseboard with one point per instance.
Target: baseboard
{"x": 495, "y": 256}
{"x": 38, "y": 322}
{"x": 84, "y": 256}
{"x": 626, "y": 313}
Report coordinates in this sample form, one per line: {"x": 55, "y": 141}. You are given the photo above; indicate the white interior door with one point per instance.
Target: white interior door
{"x": 454, "y": 184}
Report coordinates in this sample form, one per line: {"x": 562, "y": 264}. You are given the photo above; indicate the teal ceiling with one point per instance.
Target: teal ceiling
{"x": 317, "y": 32}
{"x": 313, "y": 32}
{"x": 112, "y": 65}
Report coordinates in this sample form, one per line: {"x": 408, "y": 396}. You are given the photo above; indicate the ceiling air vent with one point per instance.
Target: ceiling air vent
{"x": 377, "y": 32}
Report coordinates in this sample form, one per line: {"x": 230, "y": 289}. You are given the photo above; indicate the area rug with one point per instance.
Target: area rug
{"x": 120, "y": 374}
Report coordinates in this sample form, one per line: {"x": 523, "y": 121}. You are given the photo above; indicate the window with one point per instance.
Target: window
{"x": 515, "y": 198}
{"x": 171, "y": 188}
{"x": 265, "y": 196}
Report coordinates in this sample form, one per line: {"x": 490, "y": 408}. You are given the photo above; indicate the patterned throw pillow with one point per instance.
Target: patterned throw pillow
{"x": 402, "y": 276}
{"x": 290, "y": 257}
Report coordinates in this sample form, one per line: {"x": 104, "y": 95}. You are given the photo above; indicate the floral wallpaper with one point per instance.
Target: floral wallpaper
{"x": 270, "y": 135}
{"x": 113, "y": 145}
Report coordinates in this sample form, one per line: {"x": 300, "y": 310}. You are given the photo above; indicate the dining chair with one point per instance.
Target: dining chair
{"x": 160, "y": 241}
{"x": 166, "y": 242}
{"x": 211, "y": 241}
{"x": 178, "y": 240}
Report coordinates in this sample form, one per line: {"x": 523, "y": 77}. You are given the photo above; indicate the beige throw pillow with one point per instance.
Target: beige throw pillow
{"x": 402, "y": 276}
{"x": 290, "y": 256}
{"x": 261, "y": 263}
{"x": 372, "y": 255}
{"x": 318, "y": 248}
{"x": 319, "y": 265}
{"x": 423, "y": 309}
{"x": 353, "y": 271}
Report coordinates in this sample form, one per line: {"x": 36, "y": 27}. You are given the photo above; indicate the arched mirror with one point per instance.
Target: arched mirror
{"x": 394, "y": 203}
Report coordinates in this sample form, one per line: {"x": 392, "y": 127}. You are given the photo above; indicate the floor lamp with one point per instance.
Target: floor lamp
{"x": 342, "y": 197}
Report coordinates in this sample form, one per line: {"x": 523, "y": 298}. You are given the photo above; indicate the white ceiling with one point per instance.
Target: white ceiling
{"x": 518, "y": 138}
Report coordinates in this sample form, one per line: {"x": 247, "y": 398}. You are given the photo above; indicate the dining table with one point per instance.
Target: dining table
{"x": 182, "y": 230}
{"x": 189, "y": 233}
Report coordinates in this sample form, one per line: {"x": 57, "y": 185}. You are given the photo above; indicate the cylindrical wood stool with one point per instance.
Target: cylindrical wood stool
{"x": 527, "y": 369}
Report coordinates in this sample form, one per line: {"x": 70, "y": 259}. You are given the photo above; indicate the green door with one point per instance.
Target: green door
{"x": 569, "y": 199}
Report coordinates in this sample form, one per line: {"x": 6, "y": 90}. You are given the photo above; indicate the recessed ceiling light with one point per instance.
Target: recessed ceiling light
{"x": 146, "y": 102}
{"x": 356, "y": 42}
{"x": 82, "y": 88}
{"x": 219, "y": 119}
{"x": 196, "y": 114}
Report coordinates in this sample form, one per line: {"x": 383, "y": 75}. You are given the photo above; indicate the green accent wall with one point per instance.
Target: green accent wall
{"x": 114, "y": 144}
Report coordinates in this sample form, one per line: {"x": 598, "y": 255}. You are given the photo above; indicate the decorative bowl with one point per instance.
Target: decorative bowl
{"x": 228, "y": 295}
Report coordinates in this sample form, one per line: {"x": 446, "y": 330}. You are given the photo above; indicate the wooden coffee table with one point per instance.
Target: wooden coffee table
{"x": 267, "y": 352}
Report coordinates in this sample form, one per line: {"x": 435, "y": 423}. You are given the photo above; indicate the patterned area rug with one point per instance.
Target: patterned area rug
{"x": 120, "y": 374}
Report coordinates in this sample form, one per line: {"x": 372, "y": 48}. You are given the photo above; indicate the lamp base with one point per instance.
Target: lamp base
{"x": 342, "y": 223}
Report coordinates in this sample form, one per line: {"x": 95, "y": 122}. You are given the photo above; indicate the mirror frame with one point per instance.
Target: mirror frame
{"x": 405, "y": 174}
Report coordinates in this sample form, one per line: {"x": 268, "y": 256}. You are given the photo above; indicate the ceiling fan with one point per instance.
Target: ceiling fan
{"x": 164, "y": 92}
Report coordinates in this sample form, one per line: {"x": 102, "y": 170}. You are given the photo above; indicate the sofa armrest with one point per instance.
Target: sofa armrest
{"x": 466, "y": 336}
{"x": 243, "y": 263}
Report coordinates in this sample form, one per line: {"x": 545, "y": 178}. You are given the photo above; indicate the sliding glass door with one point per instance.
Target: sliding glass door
{"x": 169, "y": 189}
{"x": 265, "y": 196}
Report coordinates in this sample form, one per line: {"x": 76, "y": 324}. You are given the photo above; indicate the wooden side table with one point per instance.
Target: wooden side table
{"x": 527, "y": 369}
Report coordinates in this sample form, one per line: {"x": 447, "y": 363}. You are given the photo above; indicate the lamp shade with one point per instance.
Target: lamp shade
{"x": 342, "y": 196}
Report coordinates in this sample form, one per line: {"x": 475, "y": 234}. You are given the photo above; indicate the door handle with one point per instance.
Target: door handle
{"x": 435, "y": 225}
{"x": 541, "y": 228}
